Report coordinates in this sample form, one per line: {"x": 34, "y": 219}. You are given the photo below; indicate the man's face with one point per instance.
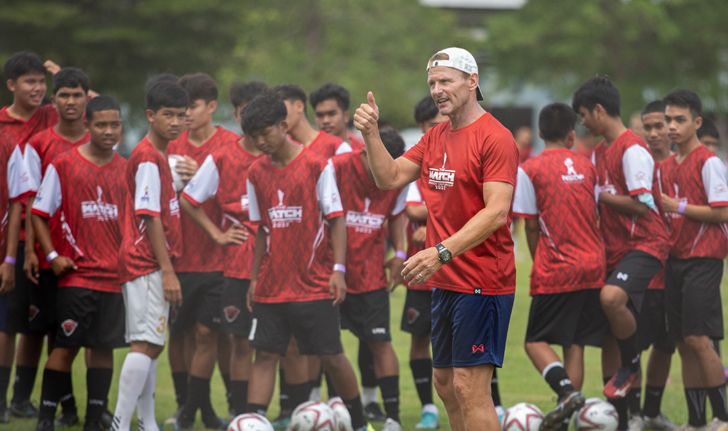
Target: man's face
{"x": 271, "y": 139}
{"x": 331, "y": 118}
{"x": 655, "y": 132}
{"x": 295, "y": 112}
{"x": 167, "y": 122}
{"x": 29, "y": 89}
{"x": 590, "y": 120}
{"x": 105, "y": 129}
{"x": 70, "y": 103}
{"x": 681, "y": 125}
{"x": 429, "y": 124}
{"x": 199, "y": 113}
{"x": 449, "y": 88}
{"x": 711, "y": 142}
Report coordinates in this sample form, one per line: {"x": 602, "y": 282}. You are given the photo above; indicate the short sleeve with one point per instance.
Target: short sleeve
{"x": 499, "y": 161}
{"x": 204, "y": 184}
{"x": 417, "y": 152}
{"x": 33, "y": 167}
{"x": 49, "y": 196}
{"x": 18, "y": 180}
{"x": 327, "y": 193}
{"x": 524, "y": 200}
{"x": 253, "y": 207}
{"x": 414, "y": 197}
{"x": 401, "y": 201}
{"x": 148, "y": 193}
{"x": 638, "y": 166}
{"x": 714, "y": 182}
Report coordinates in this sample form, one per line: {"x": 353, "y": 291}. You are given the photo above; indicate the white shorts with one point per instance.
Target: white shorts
{"x": 147, "y": 311}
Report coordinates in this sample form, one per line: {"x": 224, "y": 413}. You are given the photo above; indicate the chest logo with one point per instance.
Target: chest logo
{"x": 364, "y": 221}
{"x": 98, "y": 209}
{"x": 282, "y": 215}
{"x": 442, "y": 179}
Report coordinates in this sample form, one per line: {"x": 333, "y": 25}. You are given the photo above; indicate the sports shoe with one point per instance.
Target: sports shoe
{"x": 659, "y": 423}
{"x": 171, "y": 421}
{"x": 94, "y": 426}
{"x": 619, "y": 384}
{"x": 4, "y": 414}
{"x": 501, "y": 412}
{"x": 44, "y": 425}
{"x": 24, "y": 409}
{"x": 213, "y": 422}
{"x": 391, "y": 425}
{"x": 281, "y": 422}
{"x": 568, "y": 405}
{"x": 106, "y": 418}
{"x": 428, "y": 421}
{"x": 636, "y": 423}
{"x": 69, "y": 419}
{"x": 717, "y": 425}
{"x": 183, "y": 423}
{"x": 373, "y": 412}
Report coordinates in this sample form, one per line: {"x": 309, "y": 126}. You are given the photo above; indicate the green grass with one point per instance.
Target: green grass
{"x": 519, "y": 381}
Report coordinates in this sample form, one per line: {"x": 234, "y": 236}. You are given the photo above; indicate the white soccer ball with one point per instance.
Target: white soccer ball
{"x": 341, "y": 413}
{"x": 250, "y": 422}
{"x": 176, "y": 179}
{"x": 313, "y": 416}
{"x": 522, "y": 417}
{"x": 596, "y": 415}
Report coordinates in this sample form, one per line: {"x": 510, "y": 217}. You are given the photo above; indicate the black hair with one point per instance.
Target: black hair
{"x": 685, "y": 99}
{"x": 331, "y": 91}
{"x": 656, "y": 106}
{"x": 162, "y": 77}
{"x": 101, "y": 103}
{"x": 598, "y": 90}
{"x": 70, "y": 77}
{"x": 425, "y": 110}
{"x": 164, "y": 94}
{"x": 555, "y": 121}
{"x": 21, "y": 63}
{"x": 199, "y": 86}
{"x": 708, "y": 128}
{"x": 242, "y": 93}
{"x": 291, "y": 92}
{"x": 392, "y": 140}
{"x": 266, "y": 110}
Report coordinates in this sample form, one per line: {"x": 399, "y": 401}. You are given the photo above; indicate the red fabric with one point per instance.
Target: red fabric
{"x": 413, "y": 248}
{"x": 325, "y": 145}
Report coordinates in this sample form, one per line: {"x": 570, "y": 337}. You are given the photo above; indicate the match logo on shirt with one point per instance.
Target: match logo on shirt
{"x": 98, "y": 209}
{"x": 281, "y": 215}
{"x": 364, "y": 222}
{"x": 442, "y": 179}
{"x": 174, "y": 206}
{"x": 571, "y": 175}
{"x": 244, "y": 202}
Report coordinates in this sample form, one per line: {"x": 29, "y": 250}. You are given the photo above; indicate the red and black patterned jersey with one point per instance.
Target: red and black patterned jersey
{"x": 454, "y": 165}
{"x": 701, "y": 179}
{"x": 626, "y": 168}
{"x": 223, "y": 177}
{"x": 662, "y": 171}
{"x": 14, "y": 184}
{"x": 327, "y": 145}
{"x": 88, "y": 200}
{"x": 557, "y": 188}
{"x": 290, "y": 203}
{"x": 414, "y": 198}
{"x": 366, "y": 209}
{"x": 200, "y": 253}
{"x": 150, "y": 192}
{"x": 355, "y": 141}
{"x": 19, "y": 132}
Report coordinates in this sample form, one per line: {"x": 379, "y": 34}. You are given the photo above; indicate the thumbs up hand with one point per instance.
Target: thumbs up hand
{"x": 366, "y": 117}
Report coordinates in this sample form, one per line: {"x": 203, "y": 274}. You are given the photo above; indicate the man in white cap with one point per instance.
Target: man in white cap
{"x": 468, "y": 168}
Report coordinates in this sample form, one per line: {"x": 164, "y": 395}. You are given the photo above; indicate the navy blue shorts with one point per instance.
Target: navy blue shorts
{"x": 469, "y": 330}
{"x": 3, "y": 312}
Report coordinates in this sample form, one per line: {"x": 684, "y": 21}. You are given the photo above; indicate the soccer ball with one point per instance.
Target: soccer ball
{"x": 176, "y": 179}
{"x": 596, "y": 415}
{"x": 522, "y": 417}
{"x": 250, "y": 422}
{"x": 341, "y": 413}
{"x": 313, "y": 416}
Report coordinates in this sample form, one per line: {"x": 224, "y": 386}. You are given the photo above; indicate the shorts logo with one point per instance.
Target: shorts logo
{"x": 69, "y": 327}
{"x": 231, "y": 313}
{"x": 442, "y": 179}
{"x": 477, "y": 291}
{"x": 412, "y": 315}
{"x": 480, "y": 348}
{"x": 622, "y": 276}
{"x": 162, "y": 327}
{"x": 33, "y": 312}
{"x": 379, "y": 331}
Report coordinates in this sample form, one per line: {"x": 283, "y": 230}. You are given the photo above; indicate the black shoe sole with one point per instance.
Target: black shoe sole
{"x": 554, "y": 419}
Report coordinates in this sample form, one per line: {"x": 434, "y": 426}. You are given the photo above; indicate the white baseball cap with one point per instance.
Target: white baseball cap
{"x": 460, "y": 59}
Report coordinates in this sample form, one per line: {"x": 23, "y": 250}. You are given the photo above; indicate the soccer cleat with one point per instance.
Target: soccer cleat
{"x": 391, "y": 425}
{"x": 44, "y": 425}
{"x": 636, "y": 423}
{"x": 24, "y": 409}
{"x": 659, "y": 423}
{"x": 717, "y": 425}
{"x": 281, "y": 423}
{"x": 373, "y": 412}
{"x": 106, "y": 418}
{"x": 619, "y": 384}
{"x": 212, "y": 422}
{"x": 70, "y": 419}
{"x": 554, "y": 419}
{"x": 183, "y": 423}
{"x": 428, "y": 421}
{"x": 94, "y": 426}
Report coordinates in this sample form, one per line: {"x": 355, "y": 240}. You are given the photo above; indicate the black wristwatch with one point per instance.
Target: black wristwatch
{"x": 443, "y": 253}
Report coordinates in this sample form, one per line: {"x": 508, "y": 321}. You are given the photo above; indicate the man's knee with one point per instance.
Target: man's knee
{"x": 698, "y": 344}
{"x": 204, "y": 336}
{"x": 612, "y": 297}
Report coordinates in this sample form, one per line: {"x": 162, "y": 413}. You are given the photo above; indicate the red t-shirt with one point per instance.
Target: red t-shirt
{"x": 662, "y": 171}
{"x": 291, "y": 203}
{"x": 701, "y": 179}
{"x": 327, "y": 145}
{"x": 87, "y": 199}
{"x": 223, "y": 176}
{"x": 454, "y": 165}
{"x": 626, "y": 168}
{"x": 150, "y": 192}
{"x": 414, "y": 198}
{"x": 557, "y": 187}
{"x": 200, "y": 253}
{"x": 366, "y": 209}
{"x": 355, "y": 141}
{"x": 14, "y": 184}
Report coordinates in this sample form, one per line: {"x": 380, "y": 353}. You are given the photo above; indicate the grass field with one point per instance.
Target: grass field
{"x": 519, "y": 381}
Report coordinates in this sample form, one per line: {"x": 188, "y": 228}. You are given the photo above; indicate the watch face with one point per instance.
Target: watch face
{"x": 445, "y": 256}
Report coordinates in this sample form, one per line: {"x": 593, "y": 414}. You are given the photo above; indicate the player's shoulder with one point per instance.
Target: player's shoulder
{"x": 345, "y": 159}
{"x": 629, "y": 139}
{"x": 145, "y": 152}
{"x": 227, "y": 136}
{"x": 41, "y": 138}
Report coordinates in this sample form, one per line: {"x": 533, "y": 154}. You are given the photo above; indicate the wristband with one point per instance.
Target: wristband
{"x": 50, "y": 256}
{"x": 340, "y": 267}
{"x": 681, "y": 206}
{"x": 401, "y": 254}
{"x": 10, "y": 260}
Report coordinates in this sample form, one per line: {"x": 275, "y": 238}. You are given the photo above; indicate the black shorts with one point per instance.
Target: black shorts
{"x": 201, "y": 293}
{"x": 566, "y": 319}
{"x": 235, "y": 315}
{"x": 692, "y": 298}
{"x": 32, "y": 307}
{"x": 88, "y": 318}
{"x": 417, "y": 313}
{"x": 366, "y": 315}
{"x": 652, "y": 323}
{"x": 314, "y": 324}
{"x": 633, "y": 274}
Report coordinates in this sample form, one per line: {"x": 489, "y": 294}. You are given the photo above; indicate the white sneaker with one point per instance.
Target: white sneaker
{"x": 391, "y": 425}
{"x": 717, "y": 425}
{"x": 659, "y": 423}
{"x": 636, "y": 423}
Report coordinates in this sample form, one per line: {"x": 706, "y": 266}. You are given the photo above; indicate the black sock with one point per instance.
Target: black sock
{"x": 559, "y": 381}
{"x": 717, "y": 402}
{"x": 98, "y": 382}
{"x": 4, "y": 383}
{"x": 284, "y": 393}
{"x": 179, "y": 379}
{"x": 695, "y": 398}
{"x": 238, "y": 395}
{"x": 197, "y": 387}
{"x": 204, "y": 400}
{"x": 494, "y": 391}
{"x": 422, "y": 374}
{"x": 257, "y": 408}
{"x": 68, "y": 401}
{"x": 24, "y": 381}
{"x": 653, "y": 400}
{"x": 634, "y": 401}
{"x": 297, "y": 395}
{"x": 356, "y": 411}
{"x": 620, "y": 404}
{"x": 228, "y": 390}
{"x": 366, "y": 366}
{"x": 629, "y": 353}
{"x": 51, "y": 392}
{"x": 330, "y": 388}
{"x": 389, "y": 387}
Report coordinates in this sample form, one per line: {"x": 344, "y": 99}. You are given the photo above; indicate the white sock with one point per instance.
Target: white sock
{"x": 368, "y": 395}
{"x": 131, "y": 383}
{"x": 145, "y": 405}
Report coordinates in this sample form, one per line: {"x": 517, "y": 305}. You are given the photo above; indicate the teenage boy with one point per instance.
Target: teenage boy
{"x": 151, "y": 241}
{"x": 709, "y": 135}
{"x": 84, "y": 187}
{"x": 331, "y": 105}
{"x": 242, "y": 93}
